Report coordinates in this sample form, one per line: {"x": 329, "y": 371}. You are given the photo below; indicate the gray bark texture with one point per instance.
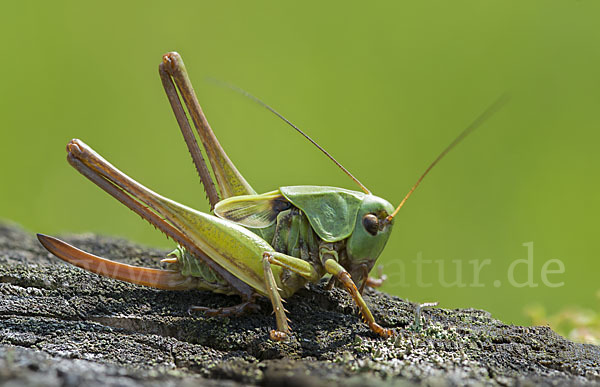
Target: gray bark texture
{"x": 62, "y": 326}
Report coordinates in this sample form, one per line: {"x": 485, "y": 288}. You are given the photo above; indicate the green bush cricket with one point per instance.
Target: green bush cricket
{"x": 267, "y": 245}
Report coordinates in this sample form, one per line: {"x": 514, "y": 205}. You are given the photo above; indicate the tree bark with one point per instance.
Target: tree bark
{"x": 60, "y": 325}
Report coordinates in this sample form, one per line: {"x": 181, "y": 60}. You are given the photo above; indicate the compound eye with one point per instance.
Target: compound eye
{"x": 371, "y": 224}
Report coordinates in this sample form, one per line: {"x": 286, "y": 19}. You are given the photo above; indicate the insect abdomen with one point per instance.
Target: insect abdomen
{"x": 191, "y": 266}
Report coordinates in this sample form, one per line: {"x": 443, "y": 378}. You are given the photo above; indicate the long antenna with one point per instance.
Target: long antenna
{"x": 269, "y": 108}
{"x": 493, "y": 108}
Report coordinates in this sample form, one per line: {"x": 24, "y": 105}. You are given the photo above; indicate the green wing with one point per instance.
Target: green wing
{"x": 331, "y": 211}
{"x": 254, "y": 211}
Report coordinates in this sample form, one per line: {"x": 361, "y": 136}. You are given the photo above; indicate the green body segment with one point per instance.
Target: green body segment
{"x": 361, "y": 245}
{"x": 233, "y": 247}
{"x": 331, "y": 211}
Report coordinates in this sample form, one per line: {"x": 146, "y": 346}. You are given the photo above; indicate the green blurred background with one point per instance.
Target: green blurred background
{"x": 384, "y": 87}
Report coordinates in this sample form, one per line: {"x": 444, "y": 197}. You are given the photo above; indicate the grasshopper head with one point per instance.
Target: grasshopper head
{"x": 369, "y": 237}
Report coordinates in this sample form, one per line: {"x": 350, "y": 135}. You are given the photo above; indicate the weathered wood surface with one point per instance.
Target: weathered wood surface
{"x": 60, "y": 325}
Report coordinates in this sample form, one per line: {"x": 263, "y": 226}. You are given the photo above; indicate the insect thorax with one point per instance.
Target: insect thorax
{"x": 293, "y": 235}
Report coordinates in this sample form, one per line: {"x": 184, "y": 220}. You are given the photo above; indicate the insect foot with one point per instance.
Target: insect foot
{"x": 381, "y": 331}
{"x": 276, "y": 335}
